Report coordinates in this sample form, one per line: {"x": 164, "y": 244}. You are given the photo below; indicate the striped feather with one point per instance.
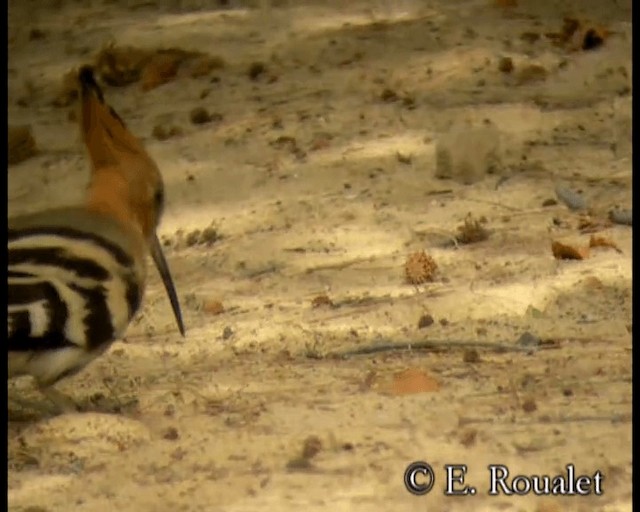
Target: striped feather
{"x": 69, "y": 287}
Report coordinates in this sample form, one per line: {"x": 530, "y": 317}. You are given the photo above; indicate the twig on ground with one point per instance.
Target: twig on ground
{"x": 430, "y": 345}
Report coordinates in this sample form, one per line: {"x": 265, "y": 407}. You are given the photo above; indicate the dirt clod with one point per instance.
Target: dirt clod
{"x": 568, "y": 252}
{"x": 161, "y": 132}
{"x": 471, "y": 356}
{"x": 311, "y": 447}
{"x": 468, "y": 437}
{"x": 321, "y": 301}
{"x": 21, "y": 144}
{"x": 531, "y": 73}
{"x": 425, "y": 321}
{"x": 529, "y": 405}
{"x": 472, "y": 231}
{"x": 256, "y": 70}
{"x": 200, "y": 115}
{"x": 36, "y": 34}
{"x": 171, "y": 434}
{"x": 505, "y": 65}
{"x": 389, "y": 95}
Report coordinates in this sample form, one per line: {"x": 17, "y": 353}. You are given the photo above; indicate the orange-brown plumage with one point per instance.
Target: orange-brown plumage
{"x": 126, "y": 183}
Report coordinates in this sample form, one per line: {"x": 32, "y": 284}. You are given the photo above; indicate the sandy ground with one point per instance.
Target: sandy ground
{"x": 320, "y": 176}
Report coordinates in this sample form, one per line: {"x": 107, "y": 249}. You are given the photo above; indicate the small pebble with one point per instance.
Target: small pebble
{"x": 256, "y": 69}
{"x": 311, "y": 447}
{"x": 624, "y": 217}
{"x": 471, "y": 356}
{"x": 505, "y": 64}
{"x": 529, "y": 405}
{"x": 171, "y": 434}
{"x": 528, "y": 340}
{"x": 425, "y": 321}
{"x": 199, "y": 115}
{"x": 573, "y": 200}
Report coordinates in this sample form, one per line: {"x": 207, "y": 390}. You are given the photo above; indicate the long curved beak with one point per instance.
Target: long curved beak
{"x": 163, "y": 268}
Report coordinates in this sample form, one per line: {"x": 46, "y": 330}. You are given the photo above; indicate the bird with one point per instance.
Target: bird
{"x": 77, "y": 274}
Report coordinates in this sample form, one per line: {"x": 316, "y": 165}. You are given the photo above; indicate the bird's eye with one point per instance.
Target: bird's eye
{"x": 158, "y": 200}
{"x": 158, "y": 197}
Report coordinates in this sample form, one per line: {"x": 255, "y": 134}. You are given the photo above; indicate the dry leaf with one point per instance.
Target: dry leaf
{"x": 567, "y": 252}
{"x": 213, "y": 307}
{"x": 321, "y": 300}
{"x": 119, "y": 66}
{"x": 411, "y": 381}
{"x": 162, "y": 68}
{"x": 600, "y": 241}
{"x": 588, "y": 224}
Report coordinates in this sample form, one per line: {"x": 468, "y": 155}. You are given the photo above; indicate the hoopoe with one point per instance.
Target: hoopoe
{"x": 76, "y": 275}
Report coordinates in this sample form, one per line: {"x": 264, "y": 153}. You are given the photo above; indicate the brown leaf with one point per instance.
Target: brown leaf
{"x": 567, "y": 252}
{"x": 213, "y": 307}
{"x": 588, "y": 224}
{"x": 411, "y": 381}
{"x": 162, "y": 68}
{"x": 600, "y": 241}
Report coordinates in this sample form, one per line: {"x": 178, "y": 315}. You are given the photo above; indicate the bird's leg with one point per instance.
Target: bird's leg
{"x": 63, "y": 403}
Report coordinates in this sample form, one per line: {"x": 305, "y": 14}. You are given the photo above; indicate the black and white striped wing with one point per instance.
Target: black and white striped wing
{"x": 67, "y": 286}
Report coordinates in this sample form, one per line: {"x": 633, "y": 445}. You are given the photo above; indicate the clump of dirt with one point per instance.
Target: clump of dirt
{"x": 322, "y": 301}
{"x": 21, "y": 144}
{"x": 472, "y": 231}
{"x": 162, "y": 132}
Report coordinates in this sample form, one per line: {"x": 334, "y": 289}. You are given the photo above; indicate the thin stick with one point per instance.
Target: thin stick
{"x": 613, "y": 418}
{"x": 431, "y": 345}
